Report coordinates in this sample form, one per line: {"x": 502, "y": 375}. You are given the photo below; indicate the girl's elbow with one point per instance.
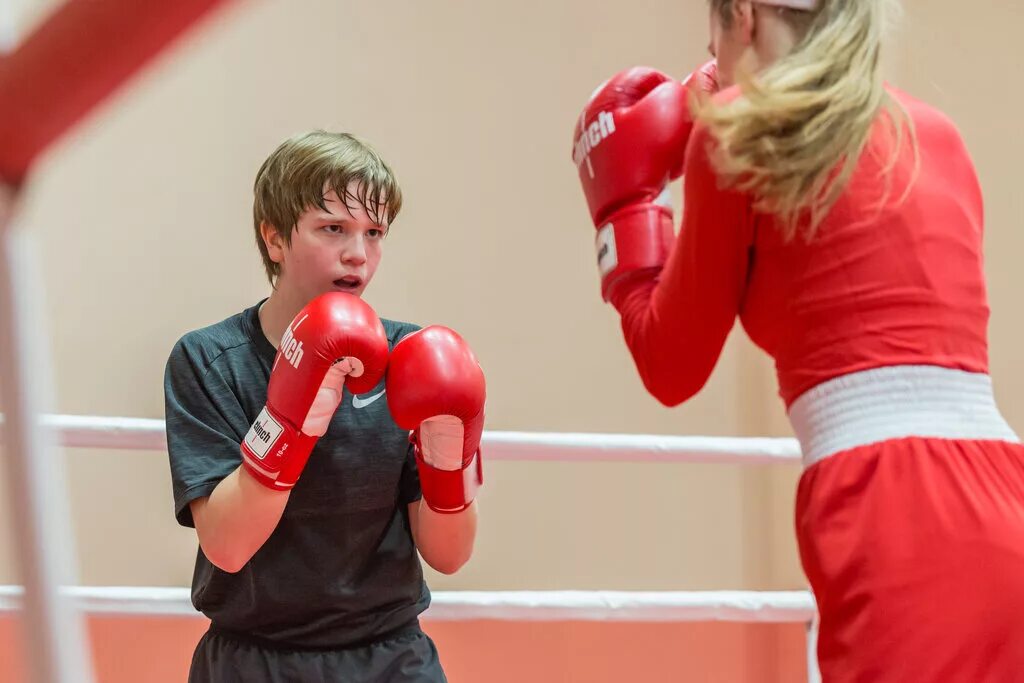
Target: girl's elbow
{"x": 671, "y": 390}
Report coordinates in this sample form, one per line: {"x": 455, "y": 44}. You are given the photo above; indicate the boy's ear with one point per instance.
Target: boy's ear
{"x": 273, "y": 240}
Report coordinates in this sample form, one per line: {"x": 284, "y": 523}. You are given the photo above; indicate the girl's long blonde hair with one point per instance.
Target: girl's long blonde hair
{"x": 795, "y": 135}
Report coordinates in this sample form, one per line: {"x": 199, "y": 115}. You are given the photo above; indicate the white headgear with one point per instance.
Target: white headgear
{"x": 792, "y": 4}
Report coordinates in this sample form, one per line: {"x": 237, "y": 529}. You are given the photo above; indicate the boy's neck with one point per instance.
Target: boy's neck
{"x": 276, "y": 313}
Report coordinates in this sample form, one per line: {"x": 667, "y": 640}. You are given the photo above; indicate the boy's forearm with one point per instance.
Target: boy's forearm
{"x": 445, "y": 540}
{"x": 237, "y": 519}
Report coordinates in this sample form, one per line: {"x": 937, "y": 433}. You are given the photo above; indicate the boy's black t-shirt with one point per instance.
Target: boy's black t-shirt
{"x": 341, "y": 567}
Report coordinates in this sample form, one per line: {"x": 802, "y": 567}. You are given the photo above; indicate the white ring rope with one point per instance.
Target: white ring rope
{"x": 638, "y": 606}
{"x": 86, "y": 431}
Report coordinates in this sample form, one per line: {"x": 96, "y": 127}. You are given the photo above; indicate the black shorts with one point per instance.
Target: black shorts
{"x": 405, "y": 656}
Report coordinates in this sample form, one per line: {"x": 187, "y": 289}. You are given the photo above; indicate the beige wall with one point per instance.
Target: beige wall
{"x": 473, "y": 104}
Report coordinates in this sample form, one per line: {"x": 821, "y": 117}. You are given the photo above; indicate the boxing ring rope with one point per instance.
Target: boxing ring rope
{"x": 778, "y": 607}
{"x": 133, "y": 433}
{"x": 127, "y": 433}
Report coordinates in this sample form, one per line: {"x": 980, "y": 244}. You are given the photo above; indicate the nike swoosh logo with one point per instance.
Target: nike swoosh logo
{"x": 363, "y": 402}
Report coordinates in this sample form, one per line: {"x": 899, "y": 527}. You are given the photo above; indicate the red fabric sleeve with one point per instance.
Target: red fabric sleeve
{"x": 676, "y": 322}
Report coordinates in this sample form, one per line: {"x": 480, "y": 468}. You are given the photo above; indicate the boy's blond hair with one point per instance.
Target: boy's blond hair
{"x": 303, "y": 168}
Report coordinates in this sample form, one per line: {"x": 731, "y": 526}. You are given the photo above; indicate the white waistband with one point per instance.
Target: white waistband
{"x": 892, "y": 403}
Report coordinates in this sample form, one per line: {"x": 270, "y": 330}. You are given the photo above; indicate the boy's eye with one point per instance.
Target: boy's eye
{"x": 375, "y": 233}
{"x": 332, "y": 228}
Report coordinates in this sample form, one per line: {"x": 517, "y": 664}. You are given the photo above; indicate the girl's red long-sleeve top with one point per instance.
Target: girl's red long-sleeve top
{"x": 888, "y": 279}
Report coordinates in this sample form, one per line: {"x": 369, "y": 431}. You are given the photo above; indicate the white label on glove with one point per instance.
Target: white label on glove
{"x": 607, "y": 257}
{"x": 263, "y": 434}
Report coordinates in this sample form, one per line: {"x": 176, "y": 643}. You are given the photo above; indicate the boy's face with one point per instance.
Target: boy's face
{"x": 337, "y": 250}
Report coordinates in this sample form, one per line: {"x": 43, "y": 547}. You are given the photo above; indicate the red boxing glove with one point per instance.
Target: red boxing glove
{"x": 436, "y": 389}
{"x": 336, "y": 338}
{"x": 629, "y": 144}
